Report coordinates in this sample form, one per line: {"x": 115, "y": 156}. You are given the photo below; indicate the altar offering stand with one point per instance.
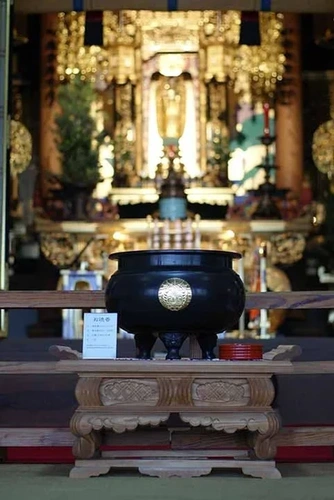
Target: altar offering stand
{"x": 227, "y": 396}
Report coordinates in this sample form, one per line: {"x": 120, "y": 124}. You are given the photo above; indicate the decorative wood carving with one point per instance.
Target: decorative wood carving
{"x": 228, "y": 421}
{"x": 87, "y": 391}
{"x": 181, "y": 467}
{"x": 129, "y": 391}
{"x": 175, "y": 391}
{"x": 87, "y": 446}
{"x": 96, "y": 469}
{"x": 64, "y": 352}
{"x": 262, "y": 442}
{"x": 226, "y": 397}
{"x": 283, "y": 353}
{"x": 263, "y": 470}
{"x": 224, "y": 392}
{"x": 262, "y": 392}
{"x": 120, "y": 423}
{"x": 88, "y": 441}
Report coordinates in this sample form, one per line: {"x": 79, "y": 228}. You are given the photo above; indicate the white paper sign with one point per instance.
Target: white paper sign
{"x": 99, "y": 336}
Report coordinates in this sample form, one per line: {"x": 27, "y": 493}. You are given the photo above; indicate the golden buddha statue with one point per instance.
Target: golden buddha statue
{"x": 172, "y": 120}
{"x": 171, "y": 103}
{"x": 171, "y": 106}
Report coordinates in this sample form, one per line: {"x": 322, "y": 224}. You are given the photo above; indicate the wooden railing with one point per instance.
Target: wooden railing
{"x": 95, "y": 300}
{"x": 311, "y": 436}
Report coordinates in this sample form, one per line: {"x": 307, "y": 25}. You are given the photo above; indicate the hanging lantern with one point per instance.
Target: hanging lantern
{"x": 98, "y": 46}
{"x": 20, "y": 147}
{"x": 93, "y": 28}
{"x": 256, "y": 69}
{"x": 323, "y": 148}
{"x": 246, "y": 49}
{"x": 323, "y": 142}
{"x": 250, "y": 29}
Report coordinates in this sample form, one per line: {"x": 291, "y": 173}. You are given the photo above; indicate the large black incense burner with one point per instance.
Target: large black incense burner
{"x": 174, "y": 293}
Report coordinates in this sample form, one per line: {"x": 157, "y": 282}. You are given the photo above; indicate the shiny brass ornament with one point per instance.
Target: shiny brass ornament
{"x": 21, "y": 147}
{"x": 323, "y": 147}
{"x": 175, "y": 294}
{"x": 323, "y": 140}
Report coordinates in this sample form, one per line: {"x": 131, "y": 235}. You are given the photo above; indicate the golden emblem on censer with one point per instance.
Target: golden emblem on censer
{"x": 175, "y": 294}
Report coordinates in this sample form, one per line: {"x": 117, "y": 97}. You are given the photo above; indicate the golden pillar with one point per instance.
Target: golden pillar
{"x": 289, "y": 126}
{"x": 49, "y": 155}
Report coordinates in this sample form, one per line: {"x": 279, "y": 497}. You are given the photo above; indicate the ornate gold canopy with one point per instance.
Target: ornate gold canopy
{"x": 129, "y": 34}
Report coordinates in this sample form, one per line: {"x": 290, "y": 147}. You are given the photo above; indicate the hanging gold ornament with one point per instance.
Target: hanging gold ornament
{"x": 114, "y": 60}
{"x": 20, "y": 147}
{"x": 323, "y": 148}
{"x": 256, "y": 70}
{"x": 323, "y": 142}
{"x": 252, "y": 70}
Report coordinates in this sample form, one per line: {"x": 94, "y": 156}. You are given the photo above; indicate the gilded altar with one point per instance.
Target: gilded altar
{"x": 165, "y": 81}
{"x": 169, "y": 85}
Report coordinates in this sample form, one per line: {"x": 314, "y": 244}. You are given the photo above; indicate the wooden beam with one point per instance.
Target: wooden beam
{"x": 305, "y": 436}
{"x": 135, "y": 367}
{"x": 183, "y": 439}
{"x": 159, "y": 368}
{"x": 301, "y": 6}
{"x": 30, "y": 437}
{"x": 184, "y": 366}
{"x": 313, "y": 367}
{"x": 95, "y": 300}
{"x": 32, "y": 367}
{"x": 193, "y": 439}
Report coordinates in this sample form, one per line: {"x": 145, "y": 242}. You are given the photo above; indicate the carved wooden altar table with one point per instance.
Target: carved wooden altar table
{"x": 226, "y": 396}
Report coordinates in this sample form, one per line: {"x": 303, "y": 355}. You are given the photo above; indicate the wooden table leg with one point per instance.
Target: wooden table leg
{"x": 88, "y": 441}
{"x": 262, "y": 442}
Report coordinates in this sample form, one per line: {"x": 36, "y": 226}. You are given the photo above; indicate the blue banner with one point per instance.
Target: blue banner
{"x": 265, "y": 5}
{"x": 172, "y": 5}
{"x": 78, "y": 5}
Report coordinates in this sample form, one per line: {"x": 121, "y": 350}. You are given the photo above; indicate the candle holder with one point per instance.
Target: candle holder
{"x": 267, "y": 193}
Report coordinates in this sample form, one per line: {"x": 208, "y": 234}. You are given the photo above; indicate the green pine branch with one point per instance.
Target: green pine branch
{"x": 76, "y": 135}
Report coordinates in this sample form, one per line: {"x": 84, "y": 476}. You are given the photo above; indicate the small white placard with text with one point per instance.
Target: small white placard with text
{"x": 99, "y": 336}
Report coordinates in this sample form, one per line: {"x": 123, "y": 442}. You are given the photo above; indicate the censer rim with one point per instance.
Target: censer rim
{"x": 223, "y": 253}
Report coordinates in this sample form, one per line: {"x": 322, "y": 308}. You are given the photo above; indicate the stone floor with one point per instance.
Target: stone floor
{"x": 51, "y": 482}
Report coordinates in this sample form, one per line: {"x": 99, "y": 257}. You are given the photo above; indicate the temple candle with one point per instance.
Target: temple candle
{"x": 197, "y": 231}
{"x": 263, "y": 288}
{"x": 266, "y": 130}
{"x": 241, "y": 272}
{"x": 243, "y": 167}
{"x": 149, "y": 240}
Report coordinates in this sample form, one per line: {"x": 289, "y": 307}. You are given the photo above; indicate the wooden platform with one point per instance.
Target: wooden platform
{"x": 41, "y": 394}
{"x": 183, "y": 466}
